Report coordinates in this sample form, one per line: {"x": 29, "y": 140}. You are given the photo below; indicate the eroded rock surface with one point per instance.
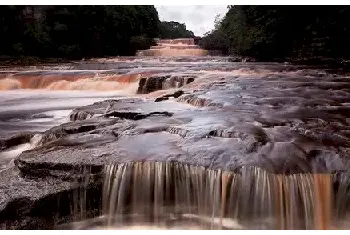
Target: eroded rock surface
{"x": 8, "y": 141}
{"x": 281, "y": 118}
{"x": 38, "y": 203}
{"x": 289, "y": 122}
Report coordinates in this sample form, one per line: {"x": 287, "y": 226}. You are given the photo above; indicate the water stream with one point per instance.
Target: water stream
{"x": 157, "y": 195}
{"x": 292, "y": 121}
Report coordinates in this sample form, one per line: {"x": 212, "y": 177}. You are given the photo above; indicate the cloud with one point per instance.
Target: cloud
{"x": 199, "y": 19}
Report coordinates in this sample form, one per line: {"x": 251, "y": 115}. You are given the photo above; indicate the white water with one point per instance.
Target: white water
{"x": 7, "y": 157}
{"x": 39, "y": 110}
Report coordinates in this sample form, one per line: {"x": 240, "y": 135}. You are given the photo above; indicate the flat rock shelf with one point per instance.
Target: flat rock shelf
{"x": 215, "y": 131}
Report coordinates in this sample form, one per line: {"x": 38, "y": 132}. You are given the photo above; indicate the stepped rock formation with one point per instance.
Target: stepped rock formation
{"x": 209, "y": 143}
{"x": 67, "y": 80}
{"x": 174, "y": 47}
{"x": 154, "y": 83}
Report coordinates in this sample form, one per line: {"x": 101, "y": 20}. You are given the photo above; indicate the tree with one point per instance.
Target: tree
{"x": 174, "y": 29}
{"x": 217, "y": 21}
{"x": 270, "y": 32}
{"x": 77, "y": 31}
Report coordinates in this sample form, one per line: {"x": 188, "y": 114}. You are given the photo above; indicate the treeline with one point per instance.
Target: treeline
{"x": 76, "y": 31}
{"x": 81, "y": 31}
{"x": 172, "y": 29}
{"x": 272, "y": 32}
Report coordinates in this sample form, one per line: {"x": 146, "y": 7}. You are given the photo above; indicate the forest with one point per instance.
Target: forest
{"x": 174, "y": 29}
{"x": 279, "y": 32}
{"x": 262, "y": 32}
{"x": 82, "y": 31}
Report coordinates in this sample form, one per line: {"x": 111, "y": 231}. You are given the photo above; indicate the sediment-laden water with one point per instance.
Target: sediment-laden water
{"x": 156, "y": 195}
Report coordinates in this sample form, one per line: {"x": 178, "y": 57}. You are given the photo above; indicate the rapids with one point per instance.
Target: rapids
{"x": 174, "y": 47}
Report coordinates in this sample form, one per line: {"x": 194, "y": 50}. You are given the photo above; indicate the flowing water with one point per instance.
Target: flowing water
{"x": 274, "y": 98}
{"x": 156, "y": 195}
{"x": 175, "y": 47}
{"x": 37, "y": 111}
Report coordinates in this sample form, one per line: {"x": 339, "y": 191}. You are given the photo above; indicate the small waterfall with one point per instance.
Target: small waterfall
{"x": 70, "y": 81}
{"x": 172, "y": 192}
{"x": 7, "y": 157}
{"x": 158, "y": 82}
{"x": 174, "y": 47}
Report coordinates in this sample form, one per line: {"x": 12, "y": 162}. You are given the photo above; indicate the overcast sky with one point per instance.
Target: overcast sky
{"x": 198, "y": 19}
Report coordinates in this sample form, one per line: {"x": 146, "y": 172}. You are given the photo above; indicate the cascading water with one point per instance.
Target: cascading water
{"x": 167, "y": 195}
{"x": 7, "y": 157}
{"x": 69, "y": 81}
{"x": 175, "y": 195}
{"x": 175, "y": 47}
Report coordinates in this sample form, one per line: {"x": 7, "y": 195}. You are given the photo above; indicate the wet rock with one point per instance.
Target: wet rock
{"x": 198, "y": 101}
{"x": 176, "y": 94}
{"x": 15, "y": 139}
{"x": 77, "y": 127}
{"x": 257, "y": 121}
{"x": 283, "y": 120}
{"x": 177, "y": 130}
{"x": 243, "y": 132}
{"x": 135, "y": 116}
{"x": 42, "y": 203}
{"x": 177, "y": 81}
{"x": 150, "y": 84}
{"x": 245, "y": 146}
{"x": 154, "y": 83}
{"x": 99, "y": 108}
{"x": 77, "y": 115}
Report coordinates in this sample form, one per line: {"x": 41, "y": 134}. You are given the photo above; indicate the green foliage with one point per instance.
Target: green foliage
{"x": 170, "y": 30}
{"x": 141, "y": 42}
{"x": 270, "y": 32}
{"x": 76, "y": 31}
{"x": 215, "y": 40}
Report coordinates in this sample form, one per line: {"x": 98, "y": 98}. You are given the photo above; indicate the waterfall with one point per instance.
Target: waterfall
{"x": 218, "y": 199}
{"x": 174, "y": 47}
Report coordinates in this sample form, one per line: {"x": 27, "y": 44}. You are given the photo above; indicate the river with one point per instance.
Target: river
{"x": 262, "y": 142}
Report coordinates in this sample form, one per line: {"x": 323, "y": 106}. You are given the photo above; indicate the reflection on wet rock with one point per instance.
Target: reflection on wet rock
{"x": 239, "y": 145}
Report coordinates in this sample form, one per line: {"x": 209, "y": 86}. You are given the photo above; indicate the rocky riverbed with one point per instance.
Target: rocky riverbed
{"x": 203, "y": 111}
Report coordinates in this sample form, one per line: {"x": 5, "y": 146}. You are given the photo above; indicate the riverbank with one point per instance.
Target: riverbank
{"x": 30, "y": 61}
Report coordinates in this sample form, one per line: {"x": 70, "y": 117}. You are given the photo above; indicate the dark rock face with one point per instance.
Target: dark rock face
{"x": 79, "y": 115}
{"x": 283, "y": 120}
{"x": 97, "y": 109}
{"x": 36, "y": 203}
{"x": 16, "y": 139}
{"x": 154, "y": 83}
{"x": 176, "y": 94}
